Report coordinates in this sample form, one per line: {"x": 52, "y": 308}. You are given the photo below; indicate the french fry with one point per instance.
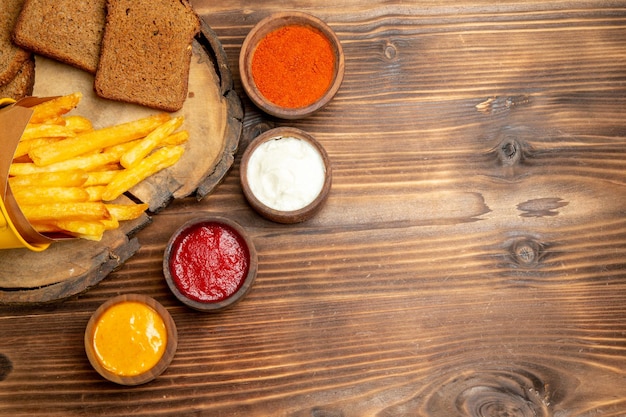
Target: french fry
{"x": 86, "y": 163}
{"x": 43, "y": 130}
{"x": 57, "y": 120}
{"x": 101, "y": 177}
{"x": 95, "y": 192}
{"x": 74, "y": 178}
{"x": 110, "y": 224}
{"x": 78, "y": 124}
{"x": 177, "y": 138}
{"x": 123, "y": 212}
{"x": 35, "y": 195}
{"x": 97, "y": 139}
{"x": 55, "y": 107}
{"x": 160, "y": 159}
{"x": 50, "y": 212}
{"x": 92, "y": 230}
{"x": 132, "y": 157}
{"x": 24, "y": 146}
{"x": 114, "y": 166}
{"x": 121, "y": 148}
{"x": 45, "y": 227}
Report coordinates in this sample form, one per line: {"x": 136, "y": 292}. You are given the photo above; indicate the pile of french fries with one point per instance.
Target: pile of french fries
{"x": 67, "y": 176}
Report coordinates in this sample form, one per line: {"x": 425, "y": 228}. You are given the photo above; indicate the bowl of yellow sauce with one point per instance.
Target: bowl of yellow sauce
{"x": 131, "y": 339}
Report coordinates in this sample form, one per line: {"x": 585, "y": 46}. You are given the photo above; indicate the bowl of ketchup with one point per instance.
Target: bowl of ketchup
{"x": 210, "y": 263}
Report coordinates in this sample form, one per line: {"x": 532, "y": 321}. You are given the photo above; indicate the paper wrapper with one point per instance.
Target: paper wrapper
{"x": 15, "y": 229}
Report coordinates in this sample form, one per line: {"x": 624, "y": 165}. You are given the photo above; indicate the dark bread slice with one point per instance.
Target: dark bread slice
{"x": 22, "y": 84}
{"x": 69, "y": 31}
{"x": 11, "y": 56}
{"x": 146, "y": 52}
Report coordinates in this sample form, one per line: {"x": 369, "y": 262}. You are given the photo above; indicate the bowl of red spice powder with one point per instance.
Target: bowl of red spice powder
{"x": 210, "y": 263}
{"x": 291, "y": 64}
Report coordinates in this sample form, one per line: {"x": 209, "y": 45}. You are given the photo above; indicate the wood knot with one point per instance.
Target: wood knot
{"x": 527, "y": 252}
{"x": 390, "y": 51}
{"x": 510, "y": 391}
{"x": 510, "y": 151}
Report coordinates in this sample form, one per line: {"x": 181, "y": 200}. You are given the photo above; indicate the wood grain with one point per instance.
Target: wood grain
{"x": 468, "y": 262}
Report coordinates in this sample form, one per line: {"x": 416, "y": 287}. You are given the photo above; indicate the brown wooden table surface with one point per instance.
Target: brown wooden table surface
{"x": 470, "y": 260}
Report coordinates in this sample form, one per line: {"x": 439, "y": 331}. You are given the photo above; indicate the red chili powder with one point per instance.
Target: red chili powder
{"x": 209, "y": 262}
{"x": 293, "y": 66}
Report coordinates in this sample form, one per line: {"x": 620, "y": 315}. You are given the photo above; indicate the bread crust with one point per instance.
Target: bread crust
{"x": 22, "y": 84}
{"x": 146, "y": 52}
{"x": 12, "y": 57}
{"x": 69, "y": 31}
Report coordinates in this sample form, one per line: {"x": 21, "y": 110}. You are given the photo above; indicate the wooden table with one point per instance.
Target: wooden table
{"x": 470, "y": 260}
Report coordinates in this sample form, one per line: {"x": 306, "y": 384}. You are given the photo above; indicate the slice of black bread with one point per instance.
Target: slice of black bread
{"x": 22, "y": 84}
{"x": 146, "y": 52}
{"x": 11, "y": 56}
{"x": 69, "y": 31}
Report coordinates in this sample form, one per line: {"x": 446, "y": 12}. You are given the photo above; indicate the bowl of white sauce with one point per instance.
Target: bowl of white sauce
{"x": 286, "y": 175}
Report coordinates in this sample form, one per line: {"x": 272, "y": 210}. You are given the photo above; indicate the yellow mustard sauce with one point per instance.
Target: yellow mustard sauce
{"x": 129, "y": 338}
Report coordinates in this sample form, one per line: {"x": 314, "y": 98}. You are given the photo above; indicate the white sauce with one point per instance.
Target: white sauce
{"x": 286, "y": 173}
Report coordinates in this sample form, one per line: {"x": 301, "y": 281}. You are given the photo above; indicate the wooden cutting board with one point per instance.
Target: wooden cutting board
{"x": 213, "y": 116}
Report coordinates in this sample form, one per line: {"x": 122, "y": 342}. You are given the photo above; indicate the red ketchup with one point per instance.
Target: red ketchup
{"x": 209, "y": 262}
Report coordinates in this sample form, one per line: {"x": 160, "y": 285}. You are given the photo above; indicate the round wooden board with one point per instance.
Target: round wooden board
{"x": 213, "y": 115}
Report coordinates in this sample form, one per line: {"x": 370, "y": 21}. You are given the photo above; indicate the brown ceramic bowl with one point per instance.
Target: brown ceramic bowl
{"x": 249, "y": 47}
{"x": 150, "y": 373}
{"x": 252, "y": 176}
{"x": 204, "y": 286}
